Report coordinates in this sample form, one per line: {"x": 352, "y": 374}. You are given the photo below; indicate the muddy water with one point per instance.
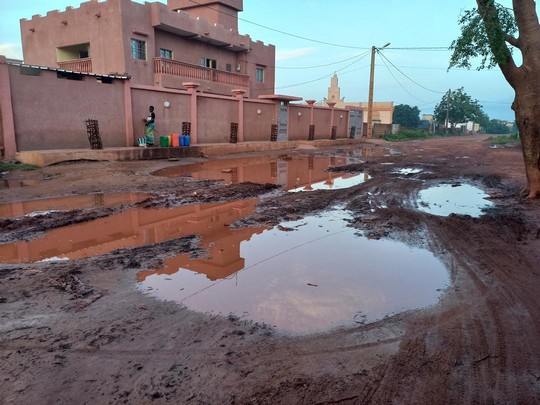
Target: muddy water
{"x": 20, "y": 208}
{"x": 297, "y": 173}
{"x": 446, "y": 199}
{"x": 304, "y": 276}
{"x": 139, "y": 227}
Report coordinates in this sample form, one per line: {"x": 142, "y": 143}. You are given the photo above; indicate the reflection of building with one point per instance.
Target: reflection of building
{"x": 382, "y": 111}
{"x": 141, "y": 227}
{"x": 302, "y": 171}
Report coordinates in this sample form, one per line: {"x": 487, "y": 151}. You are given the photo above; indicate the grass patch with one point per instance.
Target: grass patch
{"x": 409, "y": 135}
{"x": 503, "y": 139}
{"x": 11, "y": 166}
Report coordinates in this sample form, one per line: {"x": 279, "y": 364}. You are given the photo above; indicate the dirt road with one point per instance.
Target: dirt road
{"x": 79, "y": 332}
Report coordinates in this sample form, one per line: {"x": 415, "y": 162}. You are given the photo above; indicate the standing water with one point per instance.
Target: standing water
{"x": 307, "y": 276}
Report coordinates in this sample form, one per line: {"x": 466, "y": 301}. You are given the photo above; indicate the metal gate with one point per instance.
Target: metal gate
{"x": 283, "y": 120}
{"x": 355, "y": 124}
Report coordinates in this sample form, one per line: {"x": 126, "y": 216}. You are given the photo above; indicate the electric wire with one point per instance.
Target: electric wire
{"x": 265, "y": 260}
{"x": 418, "y": 84}
{"x": 401, "y": 85}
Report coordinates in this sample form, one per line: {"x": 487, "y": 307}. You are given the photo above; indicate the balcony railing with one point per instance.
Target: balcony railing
{"x": 175, "y": 68}
{"x": 77, "y": 65}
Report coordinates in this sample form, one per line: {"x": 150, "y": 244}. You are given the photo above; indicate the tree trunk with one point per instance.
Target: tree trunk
{"x": 527, "y": 109}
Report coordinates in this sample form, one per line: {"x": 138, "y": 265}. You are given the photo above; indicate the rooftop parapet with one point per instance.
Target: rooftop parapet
{"x": 181, "y": 23}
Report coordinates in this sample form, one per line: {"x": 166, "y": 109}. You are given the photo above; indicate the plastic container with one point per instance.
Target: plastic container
{"x": 175, "y": 140}
{"x": 164, "y": 141}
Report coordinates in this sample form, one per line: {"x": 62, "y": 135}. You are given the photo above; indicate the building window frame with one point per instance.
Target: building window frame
{"x": 259, "y": 74}
{"x": 138, "y": 49}
{"x": 166, "y": 53}
{"x": 208, "y": 63}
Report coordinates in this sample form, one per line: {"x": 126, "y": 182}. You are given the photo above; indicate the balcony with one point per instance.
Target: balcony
{"x": 83, "y": 65}
{"x": 189, "y": 71}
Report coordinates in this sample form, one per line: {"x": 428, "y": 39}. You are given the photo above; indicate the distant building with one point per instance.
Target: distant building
{"x": 155, "y": 44}
{"x": 382, "y": 111}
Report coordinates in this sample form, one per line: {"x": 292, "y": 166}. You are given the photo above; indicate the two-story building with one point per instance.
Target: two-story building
{"x": 155, "y": 44}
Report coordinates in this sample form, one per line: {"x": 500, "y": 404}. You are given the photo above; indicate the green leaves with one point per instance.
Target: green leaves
{"x": 484, "y": 34}
{"x": 461, "y": 108}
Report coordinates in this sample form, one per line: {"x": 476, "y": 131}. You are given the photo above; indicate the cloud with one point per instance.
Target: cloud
{"x": 12, "y": 51}
{"x": 284, "y": 54}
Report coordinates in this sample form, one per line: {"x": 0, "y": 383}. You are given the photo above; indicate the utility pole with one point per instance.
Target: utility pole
{"x": 371, "y": 85}
{"x": 447, "y": 110}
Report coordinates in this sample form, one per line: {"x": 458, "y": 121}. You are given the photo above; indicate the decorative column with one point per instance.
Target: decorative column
{"x": 6, "y": 111}
{"x": 192, "y": 89}
{"x": 332, "y": 105}
{"x": 128, "y": 114}
{"x": 239, "y": 94}
{"x": 311, "y": 133}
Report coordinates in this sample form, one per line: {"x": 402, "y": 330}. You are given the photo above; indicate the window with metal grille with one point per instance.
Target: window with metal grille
{"x": 165, "y": 53}
{"x": 138, "y": 49}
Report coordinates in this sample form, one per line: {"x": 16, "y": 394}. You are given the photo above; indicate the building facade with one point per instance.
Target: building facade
{"x": 155, "y": 44}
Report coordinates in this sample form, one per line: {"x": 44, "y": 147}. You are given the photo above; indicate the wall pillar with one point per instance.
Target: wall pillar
{"x": 239, "y": 94}
{"x": 128, "y": 113}
{"x": 332, "y": 105}
{"x": 6, "y": 112}
{"x": 311, "y": 104}
{"x": 192, "y": 89}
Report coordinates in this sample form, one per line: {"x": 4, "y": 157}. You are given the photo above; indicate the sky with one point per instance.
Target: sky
{"x": 315, "y": 39}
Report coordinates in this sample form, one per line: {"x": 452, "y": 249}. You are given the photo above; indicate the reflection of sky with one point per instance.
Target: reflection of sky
{"x": 445, "y": 199}
{"x": 351, "y": 274}
{"x": 334, "y": 184}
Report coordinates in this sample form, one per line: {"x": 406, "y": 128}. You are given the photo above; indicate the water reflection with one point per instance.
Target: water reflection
{"x": 447, "y": 199}
{"x": 297, "y": 173}
{"x": 319, "y": 276}
{"x": 140, "y": 227}
{"x": 98, "y": 200}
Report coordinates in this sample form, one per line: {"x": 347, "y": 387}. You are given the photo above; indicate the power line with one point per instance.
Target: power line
{"x": 401, "y": 85}
{"x": 425, "y": 48}
{"x": 418, "y": 84}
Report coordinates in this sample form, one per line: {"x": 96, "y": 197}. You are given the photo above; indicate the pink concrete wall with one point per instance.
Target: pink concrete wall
{"x": 215, "y": 116}
{"x": 49, "y": 113}
{"x": 299, "y": 124}
{"x": 341, "y": 121}
{"x": 257, "y": 127}
{"x": 168, "y": 119}
{"x": 263, "y": 56}
{"x": 95, "y": 23}
{"x": 321, "y": 120}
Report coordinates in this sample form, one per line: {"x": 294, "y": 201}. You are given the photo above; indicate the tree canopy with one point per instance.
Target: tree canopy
{"x": 460, "y": 108}
{"x": 492, "y": 33}
{"x": 406, "y": 116}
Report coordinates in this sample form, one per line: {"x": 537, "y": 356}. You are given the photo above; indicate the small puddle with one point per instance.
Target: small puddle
{"x": 297, "y": 173}
{"x": 304, "y": 276}
{"x": 408, "y": 170}
{"x": 46, "y": 205}
{"x": 446, "y": 199}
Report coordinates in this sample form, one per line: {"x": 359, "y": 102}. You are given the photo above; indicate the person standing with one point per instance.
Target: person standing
{"x": 150, "y": 127}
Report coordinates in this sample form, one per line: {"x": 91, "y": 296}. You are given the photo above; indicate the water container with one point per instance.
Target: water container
{"x": 164, "y": 141}
{"x": 187, "y": 141}
{"x": 175, "y": 140}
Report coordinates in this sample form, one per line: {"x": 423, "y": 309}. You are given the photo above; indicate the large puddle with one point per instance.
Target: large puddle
{"x": 302, "y": 277}
{"x": 446, "y": 199}
{"x": 99, "y": 200}
{"x": 296, "y": 173}
{"x": 130, "y": 228}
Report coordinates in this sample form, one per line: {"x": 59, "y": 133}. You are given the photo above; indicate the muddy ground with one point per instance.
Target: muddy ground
{"x": 78, "y": 332}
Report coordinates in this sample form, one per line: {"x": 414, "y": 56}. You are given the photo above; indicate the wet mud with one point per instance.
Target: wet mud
{"x": 79, "y": 331}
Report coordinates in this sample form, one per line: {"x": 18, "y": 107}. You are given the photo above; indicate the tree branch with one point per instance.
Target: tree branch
{"x": 512, "y": 41}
